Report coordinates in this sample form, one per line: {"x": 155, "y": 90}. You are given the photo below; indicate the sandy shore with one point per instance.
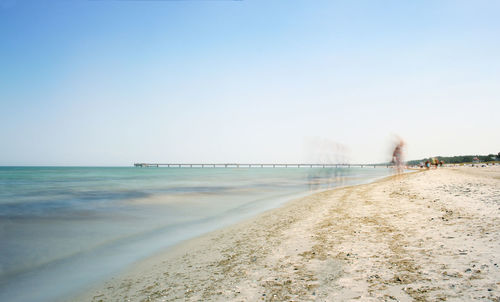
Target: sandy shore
{"x": 424, "y": 236}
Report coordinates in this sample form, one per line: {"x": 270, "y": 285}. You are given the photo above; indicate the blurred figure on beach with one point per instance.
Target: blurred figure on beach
{"x": 320, "y": 151}
{"x": 435, "y": 162}
{"x": 397, "y": 156}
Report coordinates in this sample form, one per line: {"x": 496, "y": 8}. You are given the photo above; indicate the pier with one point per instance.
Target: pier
{"x": 239, "y": 165}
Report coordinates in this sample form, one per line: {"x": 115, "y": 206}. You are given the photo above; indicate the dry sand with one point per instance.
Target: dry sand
{"x": 424, "y": 236}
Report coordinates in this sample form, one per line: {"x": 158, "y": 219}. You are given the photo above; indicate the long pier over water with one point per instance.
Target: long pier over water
{"x": 237, "y": 165}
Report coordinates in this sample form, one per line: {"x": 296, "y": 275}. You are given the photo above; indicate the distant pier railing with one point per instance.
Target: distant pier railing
{"x": 237, "y": 165}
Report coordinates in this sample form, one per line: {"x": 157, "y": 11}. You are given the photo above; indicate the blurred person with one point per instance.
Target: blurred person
{"x": 397, "y": 157}
{"x": 435, "y": 162}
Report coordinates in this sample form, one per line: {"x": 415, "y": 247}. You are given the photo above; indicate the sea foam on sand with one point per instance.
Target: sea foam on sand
{"x": 430, "y": 235}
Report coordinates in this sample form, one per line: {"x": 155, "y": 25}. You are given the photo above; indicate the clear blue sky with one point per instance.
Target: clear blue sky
{"x": 117, "y": 82}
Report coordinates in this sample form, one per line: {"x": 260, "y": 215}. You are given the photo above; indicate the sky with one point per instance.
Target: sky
{"x": 111, "y": 82}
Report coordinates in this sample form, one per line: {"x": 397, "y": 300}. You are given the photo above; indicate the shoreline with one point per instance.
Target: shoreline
{"x": 346, "y": 243}
{"x": 70, "y": 251}
{"x": 187, "y": 244}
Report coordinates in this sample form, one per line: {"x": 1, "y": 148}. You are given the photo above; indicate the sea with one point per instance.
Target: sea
{"x": 65, "y": 229}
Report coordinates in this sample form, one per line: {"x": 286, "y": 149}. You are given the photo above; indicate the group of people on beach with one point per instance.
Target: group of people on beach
{"x": 434, "y": 162}
{"x": 398, "y": 160}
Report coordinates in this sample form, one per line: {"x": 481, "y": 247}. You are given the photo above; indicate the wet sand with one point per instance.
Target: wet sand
{"x": 424, "y": 236}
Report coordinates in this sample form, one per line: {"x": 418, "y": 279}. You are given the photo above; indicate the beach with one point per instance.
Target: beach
{"x": 172, "y": 150}
{"x": 422, "y": 236}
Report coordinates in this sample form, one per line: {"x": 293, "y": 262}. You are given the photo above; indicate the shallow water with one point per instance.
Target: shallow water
{"x": 64, "y": 228}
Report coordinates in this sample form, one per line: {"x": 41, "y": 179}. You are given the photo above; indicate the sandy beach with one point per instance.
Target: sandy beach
{"x": 424, "y": 236}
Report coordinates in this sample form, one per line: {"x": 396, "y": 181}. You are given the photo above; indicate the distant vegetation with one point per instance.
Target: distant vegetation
{"x": 459, "y": 159}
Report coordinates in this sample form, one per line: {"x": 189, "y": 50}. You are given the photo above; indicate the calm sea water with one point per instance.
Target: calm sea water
{"x": 63, "y": 229}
